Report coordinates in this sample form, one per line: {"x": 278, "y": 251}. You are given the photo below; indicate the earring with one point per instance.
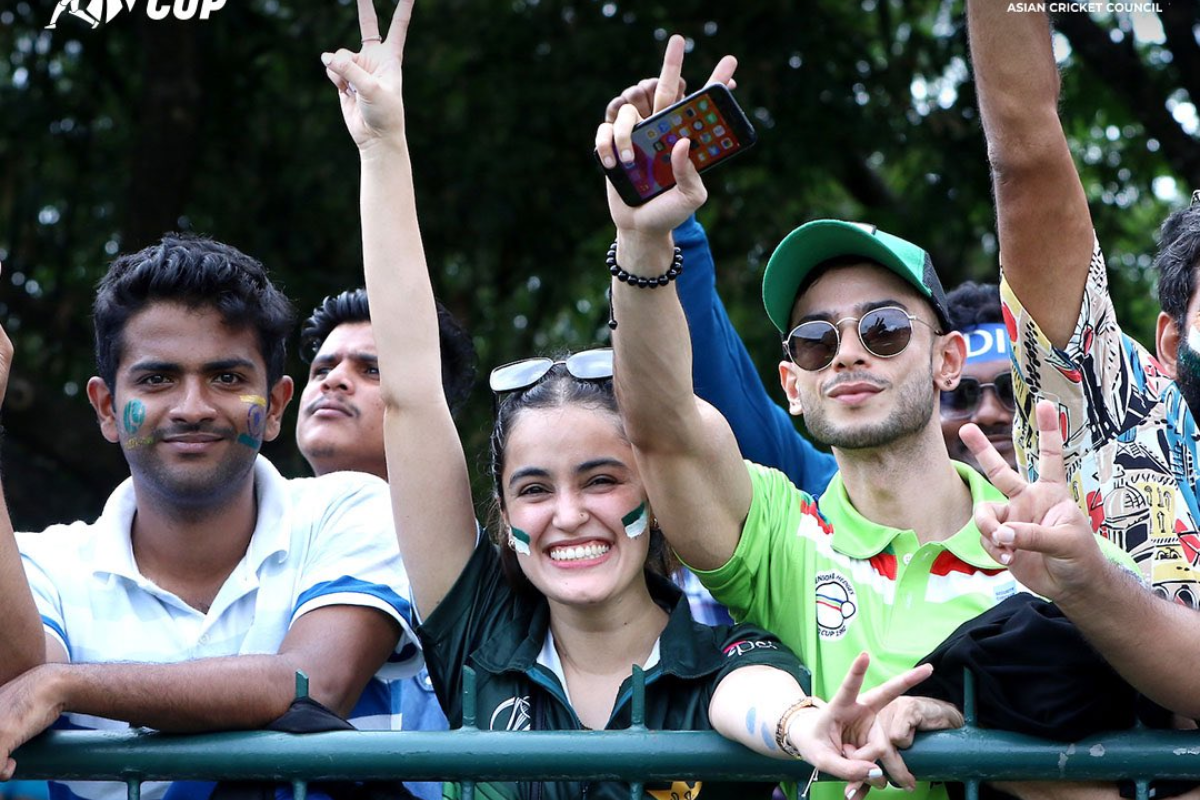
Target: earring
{"x": 510, "y": 541}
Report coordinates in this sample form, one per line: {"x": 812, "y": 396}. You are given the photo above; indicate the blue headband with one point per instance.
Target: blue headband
{"x": 987, "y": 342}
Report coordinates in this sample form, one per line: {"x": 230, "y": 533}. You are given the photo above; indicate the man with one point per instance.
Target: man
{"x": 209, "y": 580}
{"x": 340, "y": 427}
{"x": 340, "y": 424}
{"x": 1131, "y": 444}
{"x": 892, "y": 562}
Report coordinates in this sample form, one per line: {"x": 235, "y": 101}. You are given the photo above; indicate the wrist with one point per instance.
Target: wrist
{"x": 645, "y": 254}
{"x": 799, "y": 713}
{"x": 54, "y": 685}
{"x": 384, "y": 149}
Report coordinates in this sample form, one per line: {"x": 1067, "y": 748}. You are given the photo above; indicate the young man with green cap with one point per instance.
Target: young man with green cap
{"x": 892, "y": 562}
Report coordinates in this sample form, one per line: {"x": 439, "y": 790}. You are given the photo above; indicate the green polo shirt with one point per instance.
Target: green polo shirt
{"x": 832, "y": 584}
{"x": 502, "y": 634}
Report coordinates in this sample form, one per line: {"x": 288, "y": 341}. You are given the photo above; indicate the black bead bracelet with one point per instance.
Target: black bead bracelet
{"x": 615, "y": 270}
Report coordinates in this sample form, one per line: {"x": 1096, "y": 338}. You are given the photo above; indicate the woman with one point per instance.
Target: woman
{"x": 554, "y": 648}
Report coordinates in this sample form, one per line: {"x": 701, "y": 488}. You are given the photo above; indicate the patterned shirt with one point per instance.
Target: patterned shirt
{"x": 1130, "y": 440}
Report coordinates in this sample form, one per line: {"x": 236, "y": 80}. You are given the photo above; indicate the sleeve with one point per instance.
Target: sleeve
{"x": 45, "y": 593}
{"x": 724, "y": 374}
{"x": 765, "y": 579}
{"x": 748, "y": 645}
{"x": 478, "y": 605}
{"x": 354, "y": 560}
{"x": 1104, "y": 383}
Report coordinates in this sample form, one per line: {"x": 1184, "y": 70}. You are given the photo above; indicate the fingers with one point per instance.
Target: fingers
{"x": 888, "y": 691}
{"x": 349, "y": 73}
{"x": 640, "y": 96}
{"x": 997, "y": 539}
{"x": 723, "y": 72}
{"x": 897, "y": 770}
{"x": 847, "y": 693}
{"x": 368, "y": 23}
{"x": 1050, "y": 444}
{"x": 398, "y": 31}
{"x": 667, "y": 90}
{"x": 627, "y": 117}
{"x": 10, "y": 768}
{"x": 604, "y": 145}
{"x": 997, "y": 470}
{"x": 687, "y": 179}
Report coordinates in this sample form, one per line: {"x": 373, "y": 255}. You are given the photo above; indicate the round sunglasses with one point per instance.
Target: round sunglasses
{"x": 587, "y": 365}
{"x": 884, "y": 332}
{"x": 963, "y": 401}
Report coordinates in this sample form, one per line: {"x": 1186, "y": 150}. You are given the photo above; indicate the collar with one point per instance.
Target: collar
{"x": 858, "y": 537}
{"x": 112, "y": 546}
{"x": 685, "y": 648}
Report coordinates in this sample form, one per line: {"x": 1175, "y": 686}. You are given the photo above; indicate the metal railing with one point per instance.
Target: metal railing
{"x": 970, "y": 755}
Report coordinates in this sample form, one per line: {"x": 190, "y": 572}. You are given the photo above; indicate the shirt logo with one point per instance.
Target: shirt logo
{"x": 679, "y": 790}
{"x": 511, "y": 715}
{"x": 744, "y": 646}
{"x": 836, "y": 604}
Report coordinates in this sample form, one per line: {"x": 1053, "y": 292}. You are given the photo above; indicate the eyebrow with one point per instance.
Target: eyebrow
{"x": 585, "y": 467}
{"x": 333, "y": 358}
{"x": 858, "y": 310}
{"x": 210, "y": 366}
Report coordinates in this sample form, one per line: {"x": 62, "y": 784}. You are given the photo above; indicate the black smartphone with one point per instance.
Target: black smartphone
{"x": 713, "y": 121}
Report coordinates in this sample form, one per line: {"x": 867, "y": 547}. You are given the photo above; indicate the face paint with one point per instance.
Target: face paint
{"x": 144, "y": 441}
{"x": 635, "y": 522}
{"x": 519, "y": 540}
{"x": 256, "y": 420}
{"x": 135, "y": 415}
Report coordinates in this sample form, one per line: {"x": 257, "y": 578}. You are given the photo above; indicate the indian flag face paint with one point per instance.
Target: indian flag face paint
{"x": 635, "y": 522}
{"x": 520, "y": 540}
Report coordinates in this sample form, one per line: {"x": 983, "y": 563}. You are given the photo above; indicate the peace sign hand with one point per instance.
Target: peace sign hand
{"x": 369, "y": 81}
{"x": 1040, "y": 533}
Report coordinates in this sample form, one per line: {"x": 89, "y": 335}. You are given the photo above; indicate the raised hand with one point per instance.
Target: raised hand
{"x": 1040, "y": 533}
{"x": 613, "y": 143}
{"x": 844, "y": 738}
{"x": 369, "y": 81}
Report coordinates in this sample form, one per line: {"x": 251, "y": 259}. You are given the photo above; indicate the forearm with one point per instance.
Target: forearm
{"x": 749, "y": 703}
{"x": 1151, "y": 642}
{"x": 24, "y": 641}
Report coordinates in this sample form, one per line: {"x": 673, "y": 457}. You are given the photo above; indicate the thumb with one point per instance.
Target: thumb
{"x": 686, "y": 177}
{"x": 343, "y": 65}
{"x": 1027, "y": 536}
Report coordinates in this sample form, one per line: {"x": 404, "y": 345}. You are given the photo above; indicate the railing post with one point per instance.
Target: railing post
{"x": 637, "y": 718}
{"x": 133, "y": 789}
{"x": 469, "y": 702}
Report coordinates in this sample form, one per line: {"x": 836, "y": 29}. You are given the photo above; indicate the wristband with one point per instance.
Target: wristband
{"x": 615, "y": 270}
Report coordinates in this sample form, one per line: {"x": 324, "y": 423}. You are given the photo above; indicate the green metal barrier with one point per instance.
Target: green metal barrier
{"x": 969, "y": 755}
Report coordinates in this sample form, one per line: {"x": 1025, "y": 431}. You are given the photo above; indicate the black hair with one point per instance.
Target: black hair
{"x": 197, "y": 272}
{"x": 555, "y": 389}
{"x": 972, "y": 303}
{"x": 458, "y": 351}
{"x": 1177, "y": 262}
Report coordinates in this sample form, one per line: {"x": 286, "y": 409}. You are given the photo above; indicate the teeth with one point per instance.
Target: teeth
{"x": 580, "y": 552}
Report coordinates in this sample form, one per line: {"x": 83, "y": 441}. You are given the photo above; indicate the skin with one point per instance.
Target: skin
{"x": 599, "y": 615}
{"x": 340, "y": 424}
{"x": 990, "y": 416}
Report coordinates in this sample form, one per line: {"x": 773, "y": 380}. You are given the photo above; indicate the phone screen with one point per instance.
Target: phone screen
{"x": 699, "y": 119}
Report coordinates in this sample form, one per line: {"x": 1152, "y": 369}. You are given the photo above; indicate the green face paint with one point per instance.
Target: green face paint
{"x": 635, "y": 522}
{"x": 134, "y": 416}
{"x": 520, "y": 540}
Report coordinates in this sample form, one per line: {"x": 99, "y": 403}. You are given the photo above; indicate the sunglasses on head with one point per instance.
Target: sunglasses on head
{"x": 587, "y": 365}
{"x": 884, "y": 332}
{"x": 963, "y": 401}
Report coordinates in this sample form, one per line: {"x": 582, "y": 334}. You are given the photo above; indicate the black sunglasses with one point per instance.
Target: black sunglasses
{"x": 963, "y": 401}
{"x": 884, "y": 332}
{"x": 587, "y": 365}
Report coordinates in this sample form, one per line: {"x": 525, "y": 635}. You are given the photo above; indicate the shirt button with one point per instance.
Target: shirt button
{"x": 907, "y": 559}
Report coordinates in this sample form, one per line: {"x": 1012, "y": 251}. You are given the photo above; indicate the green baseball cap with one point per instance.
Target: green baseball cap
{"x": 814, "y": 243}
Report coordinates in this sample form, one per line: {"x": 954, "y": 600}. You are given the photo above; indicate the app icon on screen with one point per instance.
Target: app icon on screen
{"x": 714, "y": 150}
{"x": 706, "y": 137}
{"x": 701, "y": 157}
{"x": 712, "y": 118}
{"x": 703, "y": 105}
{"x": 659, "y": 147}
{"x": 683, "y": 132}
{"x": 663, "y": 127}
{"x": 676, "y": 119}
{"x": 726, "y": 144}
{"x": 691, "y": 112}
{"x": 719, "y": 130}
{"x": 698, "y": 125}
{"x": 651, "y": 134}
{"x": 671, "y": 138}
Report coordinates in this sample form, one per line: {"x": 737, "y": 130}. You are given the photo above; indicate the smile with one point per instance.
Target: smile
{"x": 581, "y": 552}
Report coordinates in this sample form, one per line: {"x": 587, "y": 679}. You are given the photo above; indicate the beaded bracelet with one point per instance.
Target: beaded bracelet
{"x": 615, "y": 270}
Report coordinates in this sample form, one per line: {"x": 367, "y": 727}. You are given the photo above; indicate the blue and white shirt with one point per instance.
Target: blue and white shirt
{"x": 317, "y": 542}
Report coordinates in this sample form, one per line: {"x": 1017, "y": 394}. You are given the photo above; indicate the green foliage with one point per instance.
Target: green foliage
{"x": 229, "y": 127}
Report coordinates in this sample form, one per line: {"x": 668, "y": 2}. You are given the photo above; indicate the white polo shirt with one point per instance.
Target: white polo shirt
{"x": 317, "y": 542}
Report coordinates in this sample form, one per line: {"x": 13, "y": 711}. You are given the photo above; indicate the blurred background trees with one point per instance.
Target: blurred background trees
{"x": 865, "y": 109}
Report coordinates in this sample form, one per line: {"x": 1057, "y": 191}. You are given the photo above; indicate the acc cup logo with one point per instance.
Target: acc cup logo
{"x": 835, "y": 604}
{"x": 511, "y": 715}
{"x": 95, "y": 12}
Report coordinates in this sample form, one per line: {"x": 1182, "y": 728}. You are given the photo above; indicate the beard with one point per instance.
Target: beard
{"x": 1187, "y": 370}
{"x": 914, "y": 408}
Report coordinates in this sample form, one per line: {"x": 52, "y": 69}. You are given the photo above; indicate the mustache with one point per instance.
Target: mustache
{"x": 325, "y": 402}
{"x": 183, "y": 429}
{"x": 853, "y": 377}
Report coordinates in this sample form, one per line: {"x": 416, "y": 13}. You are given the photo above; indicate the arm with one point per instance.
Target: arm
{"x": 1048, "y": 545}
{"x": 680, "y": 442}
{"x": 24, "y": 643}
{"x": 431, "y": 491}
{"x": 725, "y": 376}
{"x": 1044, "y": 226}
{"x": 338, "y": 647}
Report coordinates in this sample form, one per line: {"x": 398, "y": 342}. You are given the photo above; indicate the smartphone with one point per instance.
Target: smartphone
{"x": 710, "y": 118}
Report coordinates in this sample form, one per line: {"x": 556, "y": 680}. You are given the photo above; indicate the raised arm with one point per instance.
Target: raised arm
{"x": 687, "y": 455}
{"x": 431, "y": 491}
{"x": 24, "y": 644}
{"x": 1044, "y": 226}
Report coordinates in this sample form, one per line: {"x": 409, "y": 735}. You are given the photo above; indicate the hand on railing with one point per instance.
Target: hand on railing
{"x": 29, "y": 704}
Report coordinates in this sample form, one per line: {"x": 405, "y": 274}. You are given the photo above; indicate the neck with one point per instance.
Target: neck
{"x": 191, "y": 551}
{"x": 608, "y": 637}
{"x": 910, "y": 484}
{"x": 371, "y": 466}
